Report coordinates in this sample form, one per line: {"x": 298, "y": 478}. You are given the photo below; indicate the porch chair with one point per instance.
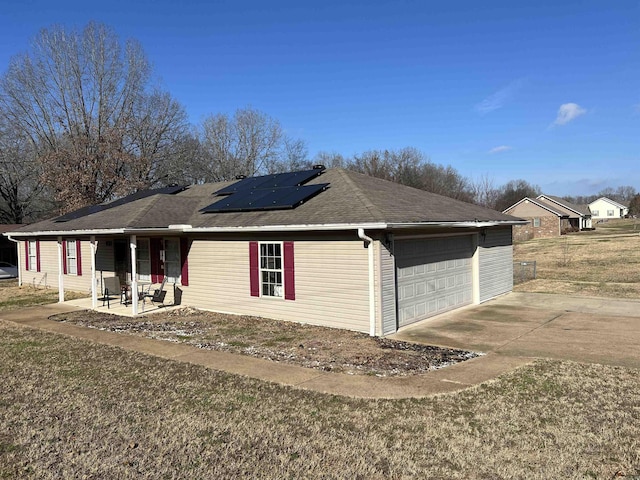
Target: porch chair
{"x": 157, "y": 296}
{"x": 112, "y": 288}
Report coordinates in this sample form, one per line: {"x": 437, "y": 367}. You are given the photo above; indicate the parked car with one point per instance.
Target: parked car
{"x": 7, "y": 270}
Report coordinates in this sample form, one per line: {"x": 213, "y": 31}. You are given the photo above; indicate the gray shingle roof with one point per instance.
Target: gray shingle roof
{"x": 581, "y": 209}
{"x": 352, "y": 198}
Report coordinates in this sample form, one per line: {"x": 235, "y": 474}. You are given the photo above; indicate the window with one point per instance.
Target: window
{"x": 71, "y": 257}
{"x": 610, "y": 213}
{"x": 536, "y": 222}
{"x": 595, "y": 213}
{"x": 32, "y": 253}
{"x": 143, "y": 260}
{"x": 271, "y": 269}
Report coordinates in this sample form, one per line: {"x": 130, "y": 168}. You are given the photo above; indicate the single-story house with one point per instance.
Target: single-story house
{"x": 326, "y": 247}
{"x": 579, "y": 215}
{"x": 605, "y": 208}
{"x": 543, "y": 220}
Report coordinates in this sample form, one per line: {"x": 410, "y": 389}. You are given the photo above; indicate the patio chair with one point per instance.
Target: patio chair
{"x": 158, "y": 294}
{"x": 112, "y": 288}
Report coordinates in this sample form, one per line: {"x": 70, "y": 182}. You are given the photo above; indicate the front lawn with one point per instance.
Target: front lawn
{"x": 74, "y": 409}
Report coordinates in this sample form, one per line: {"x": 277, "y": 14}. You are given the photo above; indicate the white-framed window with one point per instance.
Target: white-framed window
{"x": 271, "y": 271}
{"x": 610, "y": 213}
{"x": 143, "y": 259}
{"x": 72, "y": 260}
{"x": 595, "y": 213}
{"x": 33, "y": 256}
{"x": 536, "y": 222}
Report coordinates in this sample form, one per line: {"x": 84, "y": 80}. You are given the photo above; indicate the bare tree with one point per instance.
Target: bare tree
{"x": 84, "y": 100}
{"x": 514, "y": 191}
{"x": 249, "y": 143}
{"x": 411, "y": 167}
{"x": 330, "y": 159}
{"x": 22, "y": 196}
{"x": 485, "y": 193}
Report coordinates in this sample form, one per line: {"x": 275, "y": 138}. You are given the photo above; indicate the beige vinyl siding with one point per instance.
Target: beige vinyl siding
{"x": 48, "y": 274}
{"x": 331, "y": 279}
{"x": 388, "y": 290}
{"x": 496, "y": 263}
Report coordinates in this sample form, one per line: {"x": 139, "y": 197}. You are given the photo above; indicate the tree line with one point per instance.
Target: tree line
{"x": 82, "y": 122}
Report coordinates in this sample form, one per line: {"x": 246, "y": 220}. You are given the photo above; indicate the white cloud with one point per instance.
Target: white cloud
{"x": 499, "y": 98}
{"x": 568, "y": 112}
{"x": 501, "y": 148}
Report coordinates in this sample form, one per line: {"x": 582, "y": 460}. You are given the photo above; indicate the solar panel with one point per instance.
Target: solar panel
{"x": 277, "y": 180}
{"x": 266, "y": 199}
{"x": 83, "y": 212}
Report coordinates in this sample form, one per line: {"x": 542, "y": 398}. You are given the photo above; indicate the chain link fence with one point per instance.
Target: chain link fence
{"x": 523, "y": 271}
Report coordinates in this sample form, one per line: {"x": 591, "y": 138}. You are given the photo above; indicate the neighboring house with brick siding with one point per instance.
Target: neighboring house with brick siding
{"x": 579, "y": 215}
{"x": 543, "y": 220}
{"x": 334, "y": 248}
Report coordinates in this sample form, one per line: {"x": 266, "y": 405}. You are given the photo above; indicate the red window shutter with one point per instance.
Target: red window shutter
{"x": 184, "y": 257}
{"x": 289, "y": 272}
{"x": 154, "y": 251}
{"x": 64, "y": 257}
{"x": 78, "y": 258}
{"x": 26, "y": 255}
{"x": 37, "y": 255}
{"x": 254, "y": 271}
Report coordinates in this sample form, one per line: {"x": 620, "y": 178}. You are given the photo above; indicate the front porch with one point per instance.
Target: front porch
{"x": 115, "y": 307}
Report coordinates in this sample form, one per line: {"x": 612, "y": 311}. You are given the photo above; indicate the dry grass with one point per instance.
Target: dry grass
{"x": 603, "y": 262}
{"x": 12, "y": 296}
{"x": 310, "y": 346}
{"x": 72, "y": 409}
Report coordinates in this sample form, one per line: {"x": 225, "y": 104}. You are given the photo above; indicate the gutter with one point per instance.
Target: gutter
{"x": 267, "y": 228}
{"x": 372, "y": 290}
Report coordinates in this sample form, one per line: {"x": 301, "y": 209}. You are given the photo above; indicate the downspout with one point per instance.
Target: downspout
{"x": 18, "y": 251}
{"x": 372, "y": 289}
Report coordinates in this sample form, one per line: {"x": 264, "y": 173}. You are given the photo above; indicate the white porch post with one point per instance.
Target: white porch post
{"x": 60, "y": 273}
{"x": 134, "y": 281}
{"x": 94, "y": 292}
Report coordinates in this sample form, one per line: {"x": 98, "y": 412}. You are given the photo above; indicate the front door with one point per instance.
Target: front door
{"x": 172, "y": 264}
{"x": 121, "y": 260}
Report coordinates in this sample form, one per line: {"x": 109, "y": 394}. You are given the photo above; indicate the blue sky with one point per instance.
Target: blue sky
{"x": 547, "y": 91}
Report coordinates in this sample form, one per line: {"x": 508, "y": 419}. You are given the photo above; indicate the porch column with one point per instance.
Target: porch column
{"x": 94, "y": 293}
{"x": 134, "y": 281}
{"x": 60, "y": 273}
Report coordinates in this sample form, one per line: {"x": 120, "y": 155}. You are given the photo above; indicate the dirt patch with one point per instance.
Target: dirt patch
{"x": 322, "y": 348}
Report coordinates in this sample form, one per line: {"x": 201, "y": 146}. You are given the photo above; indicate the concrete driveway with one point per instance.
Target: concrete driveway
{"x": 594, "y": 330}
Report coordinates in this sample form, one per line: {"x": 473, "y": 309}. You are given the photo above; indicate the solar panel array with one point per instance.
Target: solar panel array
{"x": 277, "y": 180}
{"x": 83, "y": 212}
{"x": 268, "y": 192}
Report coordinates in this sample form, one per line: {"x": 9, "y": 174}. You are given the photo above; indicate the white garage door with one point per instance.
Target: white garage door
{"x": 433, "y": 276}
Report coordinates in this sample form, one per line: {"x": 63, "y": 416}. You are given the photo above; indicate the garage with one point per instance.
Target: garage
{"x": 433, "y": 275}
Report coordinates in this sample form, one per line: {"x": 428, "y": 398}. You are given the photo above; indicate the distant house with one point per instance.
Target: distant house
{"x": 548, "y": 216}
{"x": 543, "y": 220}
{"x": 333, "y": 248}
{"x": 579, "y": 215}
{"x": 605, "y": 208}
